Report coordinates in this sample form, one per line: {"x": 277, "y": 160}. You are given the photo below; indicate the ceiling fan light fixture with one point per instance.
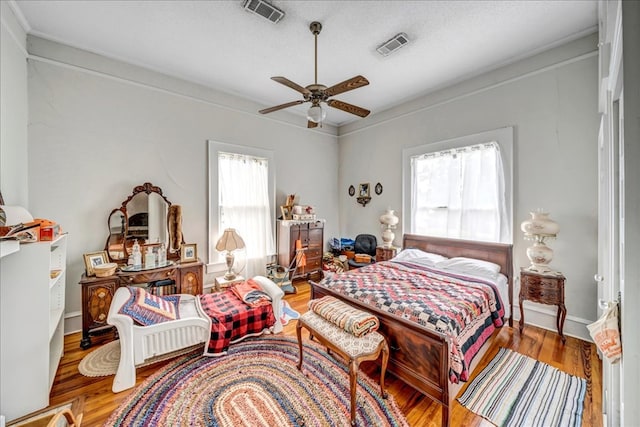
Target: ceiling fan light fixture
{"x": 316, "y": 114}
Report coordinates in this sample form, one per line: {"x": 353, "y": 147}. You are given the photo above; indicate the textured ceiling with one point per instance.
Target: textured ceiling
{"x": 219, "y": 44}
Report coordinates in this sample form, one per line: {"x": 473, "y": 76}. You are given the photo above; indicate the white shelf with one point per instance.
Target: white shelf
{"x": 32, "y": 308}
{"x": 8, "y": 247}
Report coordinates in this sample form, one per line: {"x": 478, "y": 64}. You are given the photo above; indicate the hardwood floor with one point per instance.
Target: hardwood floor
{"x": 575, "y": 357}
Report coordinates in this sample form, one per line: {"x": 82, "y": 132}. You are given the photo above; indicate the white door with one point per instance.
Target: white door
{"x": 611, "y": 193}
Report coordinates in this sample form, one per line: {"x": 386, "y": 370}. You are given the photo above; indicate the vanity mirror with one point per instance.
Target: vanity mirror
{"x": 142, "y": 217}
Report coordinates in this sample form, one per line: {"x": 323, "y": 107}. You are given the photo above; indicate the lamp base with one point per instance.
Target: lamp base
{"x": 230, "y": 276}
{"x": 229, "y": 258}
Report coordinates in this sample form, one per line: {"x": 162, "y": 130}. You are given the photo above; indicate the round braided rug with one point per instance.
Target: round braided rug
{"x": 256, "y": 384}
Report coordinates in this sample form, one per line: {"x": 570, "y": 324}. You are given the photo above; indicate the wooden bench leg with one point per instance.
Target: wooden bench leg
{"x": 353, "y": 382}
{"x": 383, "y": 368}
{"x": 299, "y": 334}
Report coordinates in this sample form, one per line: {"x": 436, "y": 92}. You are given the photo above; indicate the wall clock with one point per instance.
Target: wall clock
{"x": 352, "y": 190}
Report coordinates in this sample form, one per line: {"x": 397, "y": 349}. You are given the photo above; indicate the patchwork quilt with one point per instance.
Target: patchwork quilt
{"x": 232, "y": 319}
{"x": 466, "y": 310}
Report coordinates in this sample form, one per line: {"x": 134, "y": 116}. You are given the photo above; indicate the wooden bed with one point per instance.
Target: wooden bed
{"x": 420, "y": 357}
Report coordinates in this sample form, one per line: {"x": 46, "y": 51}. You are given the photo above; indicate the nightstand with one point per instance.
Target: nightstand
{"x": 385, "y": 254}
{"x": 544, "y": 289}
{"x": 222, "y": 283}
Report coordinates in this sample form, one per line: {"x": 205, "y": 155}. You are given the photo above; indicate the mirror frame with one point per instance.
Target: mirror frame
{"x": 148, "y": 189}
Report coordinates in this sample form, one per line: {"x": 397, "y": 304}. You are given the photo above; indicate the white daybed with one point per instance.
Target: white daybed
{"x": 140, "y": 343}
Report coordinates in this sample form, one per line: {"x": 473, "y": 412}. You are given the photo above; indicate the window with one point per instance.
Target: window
{"x": 241, "y": 192}
{"x": 459, "y": 190}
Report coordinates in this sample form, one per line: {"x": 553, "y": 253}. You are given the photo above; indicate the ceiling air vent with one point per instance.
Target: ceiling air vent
{"x": 264, "y": 9}
{"x": 393, "y": 44}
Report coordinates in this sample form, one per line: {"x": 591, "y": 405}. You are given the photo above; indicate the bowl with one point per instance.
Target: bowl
{"x": 105, "y": 270}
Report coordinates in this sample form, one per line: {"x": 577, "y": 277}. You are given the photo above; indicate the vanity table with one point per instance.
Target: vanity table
{"x": 144, "y": 215}
{"x": 97, "y": 292}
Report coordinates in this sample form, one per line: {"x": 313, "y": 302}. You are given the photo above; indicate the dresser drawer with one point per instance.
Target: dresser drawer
{"x": 545, "y": 295}
{"x": 148, "y": 276}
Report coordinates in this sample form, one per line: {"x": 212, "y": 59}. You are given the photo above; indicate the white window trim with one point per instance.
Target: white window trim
{"x": 504, "y": 138}
{"x": 216, "y": 260}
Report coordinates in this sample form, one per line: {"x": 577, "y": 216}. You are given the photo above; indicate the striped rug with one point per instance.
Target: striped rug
{"x": 256, "y": 384}
{"x": 516, "y": 390}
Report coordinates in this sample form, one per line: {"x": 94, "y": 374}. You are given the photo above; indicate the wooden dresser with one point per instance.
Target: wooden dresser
{"x": 311, "y": 236}
{"x": 97, "y": 292}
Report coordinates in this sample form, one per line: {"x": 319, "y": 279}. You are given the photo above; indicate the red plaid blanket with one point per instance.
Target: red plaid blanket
{"x": 232, "y": 319}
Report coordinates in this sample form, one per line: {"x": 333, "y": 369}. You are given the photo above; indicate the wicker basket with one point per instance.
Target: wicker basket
{"x": 362, "y": 258}
{"x": 105, "y": 270}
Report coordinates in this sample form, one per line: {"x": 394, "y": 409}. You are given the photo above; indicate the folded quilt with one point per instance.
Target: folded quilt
{"x": 251, "y": 293}
{"x": 352, "y": 320}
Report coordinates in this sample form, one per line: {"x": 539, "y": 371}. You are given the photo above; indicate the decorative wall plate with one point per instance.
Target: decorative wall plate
{"x": 352, "y": 190}
{"x": 378, "y": 189}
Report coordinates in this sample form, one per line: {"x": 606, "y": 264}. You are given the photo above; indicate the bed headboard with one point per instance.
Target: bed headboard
{"x": 499, "y": 253}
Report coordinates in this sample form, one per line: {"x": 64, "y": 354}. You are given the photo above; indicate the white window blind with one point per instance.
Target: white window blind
{"x": 459, "y": 193}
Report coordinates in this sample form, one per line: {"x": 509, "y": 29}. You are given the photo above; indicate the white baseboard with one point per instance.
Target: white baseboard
{"x": 545, "y": 318}
{"x": 72, "y": 322}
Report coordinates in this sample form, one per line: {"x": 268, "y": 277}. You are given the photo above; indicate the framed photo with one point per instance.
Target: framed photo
{"x": 189, "y": 252}
{"x": 352, "y": 190}
{"x": 364, "y": 190}
{"x": 378, "y": 189}
{"x": 94, "y": 258}
{"x": 286, "y": 212}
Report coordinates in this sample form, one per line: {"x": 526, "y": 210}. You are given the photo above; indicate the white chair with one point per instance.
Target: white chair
{"x": 140, "y": 343}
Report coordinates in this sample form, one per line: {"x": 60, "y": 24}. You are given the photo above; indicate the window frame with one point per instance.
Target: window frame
{"x": 213, "y": 150}
{"x": 503, "y": 137}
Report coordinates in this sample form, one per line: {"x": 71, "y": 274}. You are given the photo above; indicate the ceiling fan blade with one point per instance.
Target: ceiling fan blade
{"x": 280, "y": 107}
{"x": 311, "y": 124}
{"x": 349, "y": 108}
{"x": 285, "y": 81}
{"x": 352, "y": 83}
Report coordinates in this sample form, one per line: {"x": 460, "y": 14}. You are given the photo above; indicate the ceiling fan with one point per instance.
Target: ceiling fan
{"x": 318, "y": 93}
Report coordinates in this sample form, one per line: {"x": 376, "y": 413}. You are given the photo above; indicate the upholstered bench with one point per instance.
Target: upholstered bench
{"x": 350, "y": 347}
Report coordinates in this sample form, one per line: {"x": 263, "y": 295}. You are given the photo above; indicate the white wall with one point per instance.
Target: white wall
{"x": 13, "y": 110}
{"x": 551, "y": 102}
{"x": 98, "y": 128}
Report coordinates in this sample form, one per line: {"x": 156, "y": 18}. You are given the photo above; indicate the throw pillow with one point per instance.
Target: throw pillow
{"x": 147, "y": 309}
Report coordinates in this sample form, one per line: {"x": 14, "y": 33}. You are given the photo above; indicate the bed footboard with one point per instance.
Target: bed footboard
{"x": 418, "y": 356}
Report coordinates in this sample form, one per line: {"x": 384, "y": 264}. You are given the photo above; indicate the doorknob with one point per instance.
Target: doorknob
{"x": 598, "y": 278}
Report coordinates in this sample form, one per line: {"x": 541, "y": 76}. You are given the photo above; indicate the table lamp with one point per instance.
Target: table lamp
{"x": 229, "y": 242}
{"x": 540, "y": 228}
{"x": 389, "y": 221}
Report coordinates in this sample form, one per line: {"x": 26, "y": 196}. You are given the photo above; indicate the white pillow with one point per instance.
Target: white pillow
{"x": 419, "y": 256}
{"x": 471, "y": 266}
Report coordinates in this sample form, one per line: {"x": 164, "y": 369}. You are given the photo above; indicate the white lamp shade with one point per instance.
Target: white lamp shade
{"x": 316, "y": 114}
{"x": 389, "y": 218}
{"x": 230, "y": 241}
{"x": 540, "y": 225}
